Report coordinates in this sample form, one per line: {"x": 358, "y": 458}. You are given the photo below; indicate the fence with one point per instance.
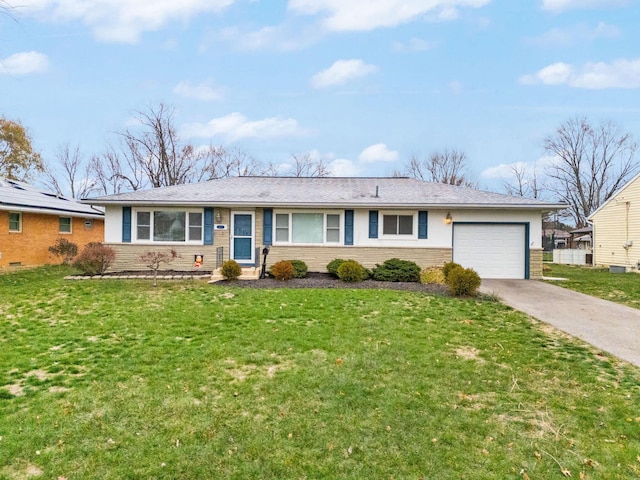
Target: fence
{"x": 572, "y": 256}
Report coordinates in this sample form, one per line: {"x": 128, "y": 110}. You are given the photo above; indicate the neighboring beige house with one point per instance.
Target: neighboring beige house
{"x": 616, "y": 228}
{"x": 319, "y": 219}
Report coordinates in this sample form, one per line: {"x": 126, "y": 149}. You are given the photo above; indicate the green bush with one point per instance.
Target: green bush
{"x": 333, "y": 265}
{"x": 352, "y": 272}
{"x": 231, "y": 270}
{"x": 448, "y": 267}
{"x": 282, "y": 270}
{"x": 396, "y": 270}
{"x": 64, "y": 250}
{"x": 432, "y": 275}
{"x": 94, "y": 259}
{"x": 299, "y": 268}
{"x": 463, "y": 281}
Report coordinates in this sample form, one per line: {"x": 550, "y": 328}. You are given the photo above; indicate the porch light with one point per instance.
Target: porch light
{"x": 218, "y": 216}
{"x": 448, "y": 219}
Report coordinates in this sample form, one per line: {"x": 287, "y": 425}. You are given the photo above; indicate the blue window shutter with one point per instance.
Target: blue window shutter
{"x": 348, "y": 227}
{"x": 208, "y": 226}
{"x": 126, "y": 224}
{"x": 267, "y": 226}
{"x": 373, "y": 223}
{"x": 423, "y": 217}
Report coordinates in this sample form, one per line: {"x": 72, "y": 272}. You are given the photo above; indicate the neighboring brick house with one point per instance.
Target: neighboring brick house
{"x": 318, "y": 219}
{"x": 31, "y": 220}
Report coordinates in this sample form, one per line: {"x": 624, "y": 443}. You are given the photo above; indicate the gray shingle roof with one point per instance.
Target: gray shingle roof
{"x": 22, "y": 197}
{"x": 321, "y": 192}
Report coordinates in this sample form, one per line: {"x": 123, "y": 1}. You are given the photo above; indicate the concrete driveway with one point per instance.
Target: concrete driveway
{"x": 606, "y": 325}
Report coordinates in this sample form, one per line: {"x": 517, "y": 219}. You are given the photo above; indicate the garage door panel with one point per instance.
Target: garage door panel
{"x": 492, "y": 250}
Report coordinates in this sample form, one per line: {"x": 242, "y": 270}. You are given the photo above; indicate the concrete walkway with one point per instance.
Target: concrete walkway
{"x": 606, "y": 325}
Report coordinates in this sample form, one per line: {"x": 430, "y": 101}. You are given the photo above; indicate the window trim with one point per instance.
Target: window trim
{"x": 19, "y": 230}
{"x": 399, "y": 236}
{"x": 152, "y": 210}
{"x": 325, "y": 242}
{"x": 62, "y": 232}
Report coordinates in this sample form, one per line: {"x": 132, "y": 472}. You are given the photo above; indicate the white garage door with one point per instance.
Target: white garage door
{"x": 492, "y": 250}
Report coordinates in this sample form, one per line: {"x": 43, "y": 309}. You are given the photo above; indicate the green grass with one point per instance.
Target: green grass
{"x": 116, "y": 379}
{"x": 621, "y": 288}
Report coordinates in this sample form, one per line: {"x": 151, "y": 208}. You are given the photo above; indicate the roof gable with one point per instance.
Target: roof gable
{"x": 633, "y": 183}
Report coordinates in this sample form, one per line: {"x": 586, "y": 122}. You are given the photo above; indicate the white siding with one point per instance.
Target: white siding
{"x": 113, "y": 224}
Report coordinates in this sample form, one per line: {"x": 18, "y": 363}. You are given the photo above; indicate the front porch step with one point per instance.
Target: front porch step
{"x": 248, "y": 273}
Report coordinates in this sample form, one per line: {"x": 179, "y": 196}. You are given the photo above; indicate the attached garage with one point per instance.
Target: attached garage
{"x": 494, "y": 250}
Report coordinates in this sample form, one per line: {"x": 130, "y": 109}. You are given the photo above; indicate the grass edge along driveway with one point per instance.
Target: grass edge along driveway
{"x": 623, "y": 288}
{"x": 117, "y": 379}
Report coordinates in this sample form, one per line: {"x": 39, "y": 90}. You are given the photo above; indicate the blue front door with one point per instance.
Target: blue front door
{"x": 242, "y": 237}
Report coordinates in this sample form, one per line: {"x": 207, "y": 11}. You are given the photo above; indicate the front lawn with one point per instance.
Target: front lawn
{"x": 617, "y": 287}
{"x": 116, "y": 379}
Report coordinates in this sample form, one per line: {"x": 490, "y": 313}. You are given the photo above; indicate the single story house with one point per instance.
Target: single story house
{"x": 319, "y": 219}
{"x": 616, "y": 228}
{"x": 32, "y": 220}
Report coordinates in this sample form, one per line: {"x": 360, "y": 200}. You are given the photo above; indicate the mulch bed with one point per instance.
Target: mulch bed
{"x": 324, "y": 280}
{"x": 313, "y": 280}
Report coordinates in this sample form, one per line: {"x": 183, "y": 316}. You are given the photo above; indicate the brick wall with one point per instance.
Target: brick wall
{"x": 30, "y": 247}
{"x": 535, "y": 263}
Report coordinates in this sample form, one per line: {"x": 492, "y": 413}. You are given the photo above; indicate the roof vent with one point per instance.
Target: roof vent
{"x": 377, "y": 191}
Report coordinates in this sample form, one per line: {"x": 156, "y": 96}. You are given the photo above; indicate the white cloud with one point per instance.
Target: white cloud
{"x": 413, "y": 45}
{"x": 575, "y": 35}
{"x": 286, "y": 37}
{"x": 344, "y": 15}
{"x": 24, "y": 63}
{"x": 121, "y": 20}
{"x": 341, "y": 72}
{"x": 378, "y": 153}
{"x": 620, "y": 73}
{"x": 203, "y": 91}
{"x": 562, "y": 5}
{"x": 343, "y": 167}
{"x": 506, "y": 171}
{"x": 236, "y": 126}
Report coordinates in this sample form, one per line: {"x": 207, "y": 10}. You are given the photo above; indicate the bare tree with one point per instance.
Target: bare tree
{"x": 449, "y": 166}
{"x": 71, "y": 173}
{"x": 155, "y": 149}
{"x": 523, "y": 181}
{"x": 221, "y": 162}
{"x": 301, "y": 165}
{"x": 592, "y": 162}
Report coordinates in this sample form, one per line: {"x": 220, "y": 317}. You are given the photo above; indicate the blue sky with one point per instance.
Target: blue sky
{"x": 364, "y": 84}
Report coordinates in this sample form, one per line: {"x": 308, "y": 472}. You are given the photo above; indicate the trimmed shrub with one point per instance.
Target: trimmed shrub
{"x": 64, "y": 250}
{"x": 396, "y": 270}
{"x": 432, "y": 275}
{"x": 94, "y": 259}
{"x": 299, "y": 268}
{"x": 282, "y": 270}
{"x": 333, "y": 265}
{"x": 231, "y": 270}
{"x": 448, "y": 266}
{"x": 463, "y": 281}
{"x": 352, "y": 272}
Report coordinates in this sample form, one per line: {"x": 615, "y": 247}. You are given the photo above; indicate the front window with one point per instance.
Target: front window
{"x": 168, "y": 226}
{"x": 15, "y": 221}
{"x": 397, "y": 225}
{"x": 307, "y": 228}
{"x": 65, "y": 225}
